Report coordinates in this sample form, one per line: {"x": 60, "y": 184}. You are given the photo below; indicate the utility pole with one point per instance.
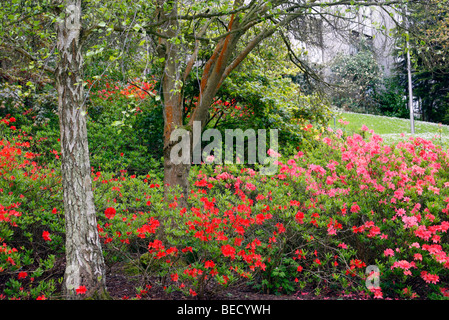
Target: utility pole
{"x": 409, "y": 73}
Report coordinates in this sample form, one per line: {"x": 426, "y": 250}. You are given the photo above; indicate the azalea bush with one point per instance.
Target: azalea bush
{"x": 338, "y": 205}
{"x": 328, "y": 214}
{"x": 31, "y": 223}
{"x": 387, "y": 204}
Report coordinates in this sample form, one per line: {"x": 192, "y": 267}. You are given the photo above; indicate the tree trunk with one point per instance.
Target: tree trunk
{"x": 84, "y": 256}
{"x": 215, "y": 71}
{"x": 175, "y": 174}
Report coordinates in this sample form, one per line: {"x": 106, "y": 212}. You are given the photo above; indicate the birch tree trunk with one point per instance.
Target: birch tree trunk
{"x": 84, "y": 257}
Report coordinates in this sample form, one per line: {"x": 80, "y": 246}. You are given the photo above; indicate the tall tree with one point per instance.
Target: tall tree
{"x": 84, "y": 256}
{"x": 29, "y": 34}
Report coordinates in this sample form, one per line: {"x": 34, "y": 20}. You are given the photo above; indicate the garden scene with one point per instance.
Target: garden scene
{"x": 99, "y": 98}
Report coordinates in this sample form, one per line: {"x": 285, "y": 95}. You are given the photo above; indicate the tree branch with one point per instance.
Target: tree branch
{"x": 29, "y": 56}
{"x": 195, "y": 52}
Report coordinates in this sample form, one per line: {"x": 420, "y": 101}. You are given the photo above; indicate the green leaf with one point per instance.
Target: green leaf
{"x": 117, "y": 123}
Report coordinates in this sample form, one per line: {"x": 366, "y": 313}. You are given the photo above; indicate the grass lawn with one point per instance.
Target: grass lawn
{"x": 390, "y": 129}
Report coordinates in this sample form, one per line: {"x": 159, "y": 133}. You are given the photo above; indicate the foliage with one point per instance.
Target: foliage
{"x": 390, "y": 99}
{"x": 338, "y": 203}
{"x": 428, "y": 49}
{"x": 259, "y": 97}
{"x": 356, "y": 78}
{"x": 31, "y": 223}
{"x": 125, "y": 126}
{"x": 328, "y": 213}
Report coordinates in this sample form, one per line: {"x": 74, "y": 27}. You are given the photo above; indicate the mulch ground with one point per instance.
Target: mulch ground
{"x": 123, "y": 286}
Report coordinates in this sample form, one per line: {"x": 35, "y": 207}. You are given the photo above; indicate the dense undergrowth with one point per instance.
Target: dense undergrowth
{"x": 335, "y": 207}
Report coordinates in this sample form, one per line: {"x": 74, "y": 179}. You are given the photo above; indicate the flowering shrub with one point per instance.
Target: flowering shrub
{"x": 124, "y": 125}
{"x": 385, "y": 204}
{"x": 31, "y": 232}
{"x": 329, "y": 213}
{"x": 109, "y": 90}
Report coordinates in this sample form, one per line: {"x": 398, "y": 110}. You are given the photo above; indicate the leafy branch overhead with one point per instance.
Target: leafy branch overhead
{"x": 145, "y": 19}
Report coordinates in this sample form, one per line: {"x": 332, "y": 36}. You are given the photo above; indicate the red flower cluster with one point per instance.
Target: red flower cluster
{"x": 110, "y": 213}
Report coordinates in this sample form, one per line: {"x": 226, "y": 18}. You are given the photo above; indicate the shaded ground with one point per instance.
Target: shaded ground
{"x": 123, "y": 286}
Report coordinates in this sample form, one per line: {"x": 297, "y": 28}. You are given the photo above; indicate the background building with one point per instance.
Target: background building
{"x": 343, "y": 36}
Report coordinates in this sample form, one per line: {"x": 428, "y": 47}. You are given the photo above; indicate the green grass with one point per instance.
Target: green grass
{"x": 391, "y": 129}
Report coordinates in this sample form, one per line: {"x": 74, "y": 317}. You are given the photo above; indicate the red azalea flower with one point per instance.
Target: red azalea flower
{"x": 110, "y": 213}
{"x": 228, "y": 251}
{"x": 81, "y": 290}
{"x": 46, "y": 236}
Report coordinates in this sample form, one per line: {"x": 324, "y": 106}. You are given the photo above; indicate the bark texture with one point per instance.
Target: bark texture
{"x": 84, "y": 257}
